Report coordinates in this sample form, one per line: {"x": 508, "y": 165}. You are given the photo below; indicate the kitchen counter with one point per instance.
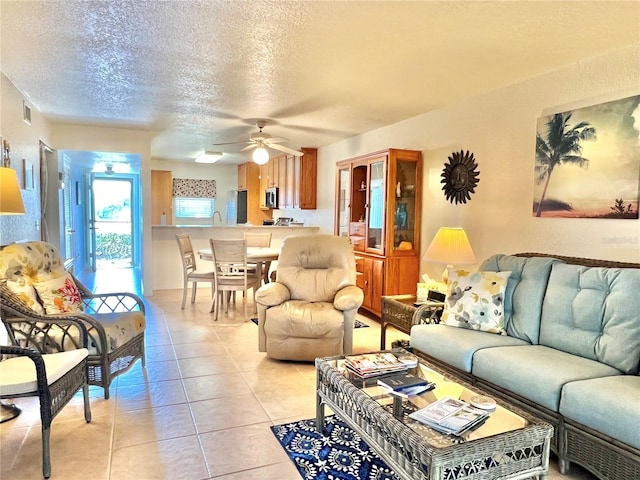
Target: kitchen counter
{"x": 167, "y": 266}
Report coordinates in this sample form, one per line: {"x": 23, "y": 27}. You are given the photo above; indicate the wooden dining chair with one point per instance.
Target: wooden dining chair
{"x": 260, "y": 239}
{"x": 232, "y": 273}
{"x": 190, "y": 271}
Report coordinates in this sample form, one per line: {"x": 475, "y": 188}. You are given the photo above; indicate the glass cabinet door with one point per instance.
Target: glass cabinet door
{"x": 376, "y": 202}
{"x": 344, "y": 202}
{"x": 405, "y": 205}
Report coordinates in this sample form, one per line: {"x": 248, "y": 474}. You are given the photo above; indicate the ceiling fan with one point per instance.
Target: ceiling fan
{"x": 260, "y": 141}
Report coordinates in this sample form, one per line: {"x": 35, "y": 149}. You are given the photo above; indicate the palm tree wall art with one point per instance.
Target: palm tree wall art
{"x": 588, "y": 162}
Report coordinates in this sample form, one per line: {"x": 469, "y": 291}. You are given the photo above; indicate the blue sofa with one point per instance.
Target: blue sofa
{"x": 570, "y": 355}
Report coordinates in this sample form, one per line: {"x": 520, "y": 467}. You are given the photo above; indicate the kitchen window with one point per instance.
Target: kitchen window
{"x": 191, "y": 207}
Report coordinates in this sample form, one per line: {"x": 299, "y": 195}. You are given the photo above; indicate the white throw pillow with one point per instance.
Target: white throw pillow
{"x": 476, "y": 300}
{"x": 60, "y": 295}
{"x": 23, "y": 289}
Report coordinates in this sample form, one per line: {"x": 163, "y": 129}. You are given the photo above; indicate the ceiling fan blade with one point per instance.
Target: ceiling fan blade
{"x": 286, "y": 149}
{"x": 275, "y": 140}
{"x": 249, "y": 147}
{"x": 229, "y": 143}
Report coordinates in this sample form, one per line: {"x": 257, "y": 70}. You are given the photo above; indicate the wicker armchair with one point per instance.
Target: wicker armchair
{"x": 53, "y": 378}
{"x": 115, "y": 322}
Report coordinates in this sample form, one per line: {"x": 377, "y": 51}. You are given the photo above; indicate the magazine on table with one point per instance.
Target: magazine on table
{"x": 399, "y": 382}
{"x": 373, "y": 364}
{"x": 409, "y": 391}
{"x": 450, "y": 415}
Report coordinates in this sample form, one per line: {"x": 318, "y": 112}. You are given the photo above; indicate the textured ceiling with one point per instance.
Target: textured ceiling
{"x": 199, "y": 73}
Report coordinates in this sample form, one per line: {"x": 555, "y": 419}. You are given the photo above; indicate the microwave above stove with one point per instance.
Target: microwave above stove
{"x": 271, "y": 200}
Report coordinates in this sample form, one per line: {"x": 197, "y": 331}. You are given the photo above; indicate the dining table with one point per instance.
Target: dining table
{"x": 258, "y": 255}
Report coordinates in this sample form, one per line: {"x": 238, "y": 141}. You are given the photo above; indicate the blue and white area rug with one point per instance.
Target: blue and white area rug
{"x": 339, "y": 454}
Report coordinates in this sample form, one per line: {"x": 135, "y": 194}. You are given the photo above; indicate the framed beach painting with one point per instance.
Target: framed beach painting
{"x": 588, "y": 162}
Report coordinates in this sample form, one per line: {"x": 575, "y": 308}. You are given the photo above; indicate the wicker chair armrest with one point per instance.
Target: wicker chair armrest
{"x": 108, "y": 302}
{"x": 41, "y": 371}
{"x": 38, "y": 336}
{"x": 112, "y": 302}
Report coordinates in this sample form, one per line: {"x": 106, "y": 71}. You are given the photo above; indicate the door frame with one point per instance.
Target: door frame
{"x": 136, "y": 217}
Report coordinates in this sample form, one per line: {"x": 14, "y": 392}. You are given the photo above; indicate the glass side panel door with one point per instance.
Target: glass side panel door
{"x": 376, "y": 206}
{"x": 358, "y": 207}
{"x": 344, "y": 202}
{"x": 404, "y": 196}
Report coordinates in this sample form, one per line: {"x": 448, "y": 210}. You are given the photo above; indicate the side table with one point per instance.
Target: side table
{"x": 399, "y": 311}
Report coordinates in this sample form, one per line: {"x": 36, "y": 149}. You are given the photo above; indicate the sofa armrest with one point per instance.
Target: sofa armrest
{"x": 272, "y": 294}
{"x": 348, "y": 298}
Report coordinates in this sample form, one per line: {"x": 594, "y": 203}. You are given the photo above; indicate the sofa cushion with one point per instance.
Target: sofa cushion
{"x": 475, "y": 300}
{"x": 119, "y": 328}
{"x": 593, "y": 312}
{"x": 610, "y": 405}
{"x": 533, "y": 371}
{"x": 456, "y": 346}
{"x": 301, "y": 330}
{"x": 525, "y": 290}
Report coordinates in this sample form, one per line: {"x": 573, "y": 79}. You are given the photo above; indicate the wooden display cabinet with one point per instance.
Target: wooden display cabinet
{"x": 378, "y": 207}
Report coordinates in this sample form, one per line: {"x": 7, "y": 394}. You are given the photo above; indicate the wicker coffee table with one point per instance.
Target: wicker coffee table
{"x": 509, "y": 445}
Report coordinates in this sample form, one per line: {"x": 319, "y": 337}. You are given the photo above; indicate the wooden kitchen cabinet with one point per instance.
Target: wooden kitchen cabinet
{"x": 300, "y": 187}
{"x": 264, "y": 184}
{"x": 307, "y": 172}
{"x": 282, "y": 171}
{"x": 378, "y": 207}
{"x": 286, "y": 191}
{"x": 242, "y": 176}
{"x": 161, "y": 196}
{"x": 255, "y": 214}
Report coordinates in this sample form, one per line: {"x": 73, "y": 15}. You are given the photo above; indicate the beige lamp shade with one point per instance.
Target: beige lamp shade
{"x": 451, "y": 247}
{"x": 10, "y": 196}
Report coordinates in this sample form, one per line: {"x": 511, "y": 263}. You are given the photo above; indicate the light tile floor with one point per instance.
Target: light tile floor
{"x": 201, "y": 409}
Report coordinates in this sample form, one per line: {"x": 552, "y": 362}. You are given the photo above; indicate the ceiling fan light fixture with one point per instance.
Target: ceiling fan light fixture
{"x": 260, "y": 156}
{"x": 209, "y": 157}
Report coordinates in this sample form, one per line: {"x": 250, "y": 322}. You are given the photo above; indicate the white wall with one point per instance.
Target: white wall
{"x": 499, "y": 128}
{"x": 226, "y": 177}
{"x": 24, "y": 140}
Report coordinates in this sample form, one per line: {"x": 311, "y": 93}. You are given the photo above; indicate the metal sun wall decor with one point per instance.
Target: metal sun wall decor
{"x": 588, "y": 162}
{"x": 460, "y": 177}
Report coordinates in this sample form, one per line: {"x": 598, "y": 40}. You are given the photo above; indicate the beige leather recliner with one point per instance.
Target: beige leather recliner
{"x": 309, "y": 310}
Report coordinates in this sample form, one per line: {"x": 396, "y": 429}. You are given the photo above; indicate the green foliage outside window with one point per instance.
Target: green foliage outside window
{"x": 113, "y": 246}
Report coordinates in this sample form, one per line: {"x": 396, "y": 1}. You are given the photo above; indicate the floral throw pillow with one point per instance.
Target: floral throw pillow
{"x": 60, "y": 295}
{"x": 476, "y": 300}
{"x": 23, "y": 289}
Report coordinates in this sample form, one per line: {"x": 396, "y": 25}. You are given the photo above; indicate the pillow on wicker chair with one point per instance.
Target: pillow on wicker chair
{"x": 60, "y": 295}
{"x": 23, "y": 289}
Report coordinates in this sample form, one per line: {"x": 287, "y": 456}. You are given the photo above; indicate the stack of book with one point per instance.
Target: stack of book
{"x": 374, "y": 364}
{"x": 450, "y": 415}
{"x": 405, "y": 384}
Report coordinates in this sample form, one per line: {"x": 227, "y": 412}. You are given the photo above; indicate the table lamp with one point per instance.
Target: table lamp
{"x": 10, "y": 204}
{"x": 451, "y": 247}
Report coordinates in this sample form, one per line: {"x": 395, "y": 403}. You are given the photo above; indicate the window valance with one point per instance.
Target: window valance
{"x": 190, "y": 187}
